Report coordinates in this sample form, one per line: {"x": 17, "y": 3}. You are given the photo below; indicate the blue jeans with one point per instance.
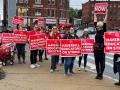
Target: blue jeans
{"x": 42, "y": 51}
{"x": 69, "y": 62}
{"x": 118, "y": 68}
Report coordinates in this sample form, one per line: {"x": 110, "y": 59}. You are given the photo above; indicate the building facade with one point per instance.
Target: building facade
{"x": 54, "y": 12}
{"x": 113, "y": 13}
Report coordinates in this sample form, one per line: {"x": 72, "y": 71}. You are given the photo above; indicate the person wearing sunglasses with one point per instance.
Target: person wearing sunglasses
{"x": 54, "y": 35}
{"x": 33, "y": 54}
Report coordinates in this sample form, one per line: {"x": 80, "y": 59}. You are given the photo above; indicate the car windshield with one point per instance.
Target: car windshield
{"x": 91, "y": 28}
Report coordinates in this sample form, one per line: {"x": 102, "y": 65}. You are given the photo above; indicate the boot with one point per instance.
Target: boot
{"x": 118, "y": 83}
{"x": 40, "y": 59}
{"x": 19, "y": 62}
{"x": 46, "y": 58}
{"x": 24, "y": 62}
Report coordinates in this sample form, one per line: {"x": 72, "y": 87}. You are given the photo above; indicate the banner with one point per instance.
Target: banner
{"x": 37, "y": 42}
{"x": 53, "y": 47}
{"x": 62, "y": 35}
{"x": 87, "y": 46}
{"x": 7, "y": 37}
{"x": 112, "y": 42}
{"x": 71, "y": 48}
{"x": 20, "y": 36}
{"x": 18, "y": 20}
{"x": 0, "y": 37}
{"x": 40, "y": 22}
{"x": 100, "y": 8}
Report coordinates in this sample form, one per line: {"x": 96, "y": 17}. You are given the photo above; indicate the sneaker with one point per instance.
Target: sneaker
{"x": 66, "y": 74}
{"x": 51, "y": 70}
{"x": 72, "y": 73}
{"x": 24, "y": 62}
{"x": 56, "y": 69}
{"x": 19, "y": 62}
{"x": 97, "y": 77}
{"x": 32, "y": 66}
{"x": 61, "y": 64}
{"x": 79, "y": 69}
{"x": 85, "y": 69}
{"x": 36, "y": 65}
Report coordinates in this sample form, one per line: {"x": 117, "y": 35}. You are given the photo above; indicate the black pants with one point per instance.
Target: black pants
{"x": 62, "y": 59}
{"x": 85, "y": 60}
{"x": 53, "y": 62}
{"x": 39, "y": 53}
{"x": 57, "y": 59}
{"x": 99, "y": 61}
{"x": 21, "y": 50}
{"x": 33, "y": 56}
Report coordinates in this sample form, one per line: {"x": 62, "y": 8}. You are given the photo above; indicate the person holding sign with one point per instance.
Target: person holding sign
{"x": 33, "y": 55}
{"x": 84, "y": 36}
{"x": 99, "y": 46}
{"x": 69, "y": 61}
{"x": 54, "y": 35}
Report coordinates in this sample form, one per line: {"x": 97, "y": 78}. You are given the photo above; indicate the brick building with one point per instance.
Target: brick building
{"x": 113, "y": 13}
{"x": 54, "y": 12}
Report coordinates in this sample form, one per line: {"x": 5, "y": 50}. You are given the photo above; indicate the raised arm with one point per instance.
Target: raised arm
{"x": 95, "y": 18}
{"x": 106, "y": 16}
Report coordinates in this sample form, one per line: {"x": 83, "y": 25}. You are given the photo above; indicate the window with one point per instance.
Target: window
{"x": 115, "y": 12}
{"x": 60, "y": 13}
{"x": 38, "y": 1}
{"x": 110, "y": 6}
{"x": 49, "y": 1}
{"x": 49, "y": 13}
{"x": 103, "y": 18}
{"x": 92, "y": 6}
{"x": 118, "y": 18}
{"x": 20, "y": 1}
{"x": 99, "y": 18}
{"x": 110, "y": 12}
{"x": 53, "y": 13}
{"x": 119, "y": 6}
{"x": 60, "y": 2}
{"x": 92, "y": 12}
{"x": 114, "y": 6}
{"x": 118, "y": 12}
{"x": 53, "y": 1}
{"x": 63, "y": 14}
{"x": 26, "y": 12}
{"x": 37, "y": 12}
{"x": 63, "y": 2}
{"x": 26, "y": 1}
{"x": 110, "y": 18}
{"x": 114, "y": 18}
{"x": 92, "y": 18}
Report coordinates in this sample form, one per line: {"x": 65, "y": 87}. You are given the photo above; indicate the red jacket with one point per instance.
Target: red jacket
{"x": 55, "y": 36}
{"x": 32, "y": 32}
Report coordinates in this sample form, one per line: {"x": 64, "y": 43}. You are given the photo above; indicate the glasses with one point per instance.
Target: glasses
{"x": 54, "y": 28}
{"x": 71, "y": 29}
{"x": 36, "y": 27}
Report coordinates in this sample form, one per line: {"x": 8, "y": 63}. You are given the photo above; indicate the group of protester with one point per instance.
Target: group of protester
{"x": 69, "y": 61}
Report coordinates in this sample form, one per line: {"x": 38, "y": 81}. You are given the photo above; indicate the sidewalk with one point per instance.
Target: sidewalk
{"x": 22, "y": 77}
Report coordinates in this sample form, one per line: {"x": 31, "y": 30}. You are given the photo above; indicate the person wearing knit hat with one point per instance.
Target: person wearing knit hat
{"x": 84, "y": 36}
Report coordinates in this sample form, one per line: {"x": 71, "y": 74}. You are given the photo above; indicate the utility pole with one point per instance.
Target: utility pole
{"x": 11, "y": 12}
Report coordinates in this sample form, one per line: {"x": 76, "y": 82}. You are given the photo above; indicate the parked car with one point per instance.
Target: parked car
{"x": 91, "y": 30}
{"x": 115, "y": 28}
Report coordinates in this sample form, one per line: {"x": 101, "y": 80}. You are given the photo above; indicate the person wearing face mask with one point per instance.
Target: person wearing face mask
{"x": 54, "y": 35}
{"x": 33, "y": 53}
{"x": 69, "y": 61}
{"x": 99, "y": 46}
{"x": 84, "y": 36}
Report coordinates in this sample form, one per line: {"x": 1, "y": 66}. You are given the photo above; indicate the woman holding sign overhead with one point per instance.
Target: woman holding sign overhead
{"x": 69, "y": 61}
{"x": 99, "y": 46}
{"x": 54, "y": 35}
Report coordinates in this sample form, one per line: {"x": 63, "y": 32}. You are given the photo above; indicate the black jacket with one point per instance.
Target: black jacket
{"x": 114, "y": 60}
{"x": 9, "y": 31}
{"x": 68, "y": 36}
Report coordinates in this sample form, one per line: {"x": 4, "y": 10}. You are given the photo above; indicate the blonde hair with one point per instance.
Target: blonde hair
{"x": 51, "y": 34}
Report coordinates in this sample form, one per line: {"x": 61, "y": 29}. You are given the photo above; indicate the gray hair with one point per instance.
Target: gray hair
{"x": 100, "y": 23}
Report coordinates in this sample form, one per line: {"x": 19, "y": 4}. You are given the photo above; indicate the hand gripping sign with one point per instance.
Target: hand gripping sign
{"x": 7, "y": 37}
{"x": 87, "y": 46}
{"x": 100, "y": 8}
{"x": 37, "y": 42}
{"x": 18, "y": 20}
{"x": 112, "y": 42}
{"x": 71, "y": 48}
{"x": 0, "y": 37}
{"x": 40, "y": 22}
{"x": 20, "y": 37}
{"x": 53, "y": 47}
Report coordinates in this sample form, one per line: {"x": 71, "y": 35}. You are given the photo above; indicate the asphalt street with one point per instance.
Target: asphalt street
{"x": 91, "y": 61}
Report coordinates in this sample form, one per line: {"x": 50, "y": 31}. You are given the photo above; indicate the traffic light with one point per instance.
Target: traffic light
{"x": 21, "y": 10}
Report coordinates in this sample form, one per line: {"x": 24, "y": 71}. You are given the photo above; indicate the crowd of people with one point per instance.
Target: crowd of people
{"x": 68, "y": 62}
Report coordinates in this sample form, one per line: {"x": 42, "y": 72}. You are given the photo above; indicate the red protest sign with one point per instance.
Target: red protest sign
{"x": 71, "y": 48}
{"x": 100, "y": 8}
{"x": 112, "y": 42}
{"x": 37, "y": 42}
{"x": 0, "y": 37}
{"x": 62, "y": 35}
{"x": 18, "y": 20}
{"x": 53, "y": 47}
{"x": 7, "y": 37}
{"x": 20, "y": 37}
{"x": 87, "y": 46}
{"x": 40, "y": 22}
